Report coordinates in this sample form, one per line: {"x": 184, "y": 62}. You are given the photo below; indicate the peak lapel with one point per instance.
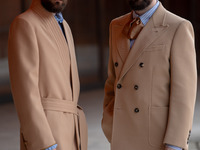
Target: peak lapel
{"x": 121, "y": 41}
{"x": 153, "y": 29}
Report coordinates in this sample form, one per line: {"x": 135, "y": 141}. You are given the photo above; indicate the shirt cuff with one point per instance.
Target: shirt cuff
{"x": 52, "y": 147}
{"x": 174, "y": 147}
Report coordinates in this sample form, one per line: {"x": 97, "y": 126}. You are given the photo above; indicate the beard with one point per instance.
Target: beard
{"x": 54, "y": 6}
{"x": 139, "y": 4}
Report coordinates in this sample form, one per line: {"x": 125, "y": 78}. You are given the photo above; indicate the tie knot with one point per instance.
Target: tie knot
{"x": 133, "y": 28}
{"x": 59, "y": 17}
{"x": 137, "y": 21}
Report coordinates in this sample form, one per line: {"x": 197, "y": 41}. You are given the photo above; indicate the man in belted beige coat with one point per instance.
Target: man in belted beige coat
{"x": 151, "y": 87}
{"x": 44, "y": 80}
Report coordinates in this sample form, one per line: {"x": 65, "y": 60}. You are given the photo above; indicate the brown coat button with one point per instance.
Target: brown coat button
{"x": 119, "y": 86}
{"x": 136, "y": 87}
{"x": 136, "y": 110}
{"x": 116, "y": 64}
{"x": 141, "y": 64}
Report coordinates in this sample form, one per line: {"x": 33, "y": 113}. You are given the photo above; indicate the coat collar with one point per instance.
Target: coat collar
{"x": 64, "y": 46}
{"x": 153, "y": 29}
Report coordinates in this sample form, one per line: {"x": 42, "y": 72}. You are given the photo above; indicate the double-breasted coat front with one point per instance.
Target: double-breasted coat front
{"x": 45, "y": 83}
{"x": 151, "y": 88}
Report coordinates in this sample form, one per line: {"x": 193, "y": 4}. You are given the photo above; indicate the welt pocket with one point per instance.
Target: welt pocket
{"x": 159, "y": 107}
{"x": 53, "y": 99}
{"x": 155, "y": 48}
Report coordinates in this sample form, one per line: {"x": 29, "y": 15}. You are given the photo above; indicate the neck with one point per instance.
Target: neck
{"x": 141, "y": 12}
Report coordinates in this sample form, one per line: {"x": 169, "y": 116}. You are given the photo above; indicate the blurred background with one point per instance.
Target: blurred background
{"x": 89, "y": 21}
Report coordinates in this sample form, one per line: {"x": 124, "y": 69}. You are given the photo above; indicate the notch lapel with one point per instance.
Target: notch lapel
{"x": 153, "y": 29}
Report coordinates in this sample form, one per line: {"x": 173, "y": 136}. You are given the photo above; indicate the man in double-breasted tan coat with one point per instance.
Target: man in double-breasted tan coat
{"x": 44, "y": 79}
{"x": 151, "y": 87}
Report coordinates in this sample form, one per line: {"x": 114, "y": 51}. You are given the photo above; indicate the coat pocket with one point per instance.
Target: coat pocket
{"x": 158, "y": 117}
{"x": 107, "y": 121}
{"x": 23, "y": 142}
{"x": 155, "y": 48}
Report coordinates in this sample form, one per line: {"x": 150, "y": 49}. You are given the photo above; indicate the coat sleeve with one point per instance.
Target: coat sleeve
{"x": 183, "y": 86}
{"x": 108, "y": 104}
{"x": 23, "y": 57}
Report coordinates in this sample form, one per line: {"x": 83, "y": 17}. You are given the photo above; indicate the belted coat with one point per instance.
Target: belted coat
{"x": 44, "y": 82}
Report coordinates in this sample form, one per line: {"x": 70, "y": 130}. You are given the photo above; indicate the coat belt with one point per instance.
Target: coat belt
{"x": 60, "y": 105}
{"x": 80, "y": 120}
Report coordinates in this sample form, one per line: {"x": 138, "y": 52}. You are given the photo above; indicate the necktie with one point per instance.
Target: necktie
{"x": 59, "y": 19}
{"x": 133, "y": 28}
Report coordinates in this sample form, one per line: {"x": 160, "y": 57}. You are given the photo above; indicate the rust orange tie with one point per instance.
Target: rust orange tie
{"x": 133, "y": 28}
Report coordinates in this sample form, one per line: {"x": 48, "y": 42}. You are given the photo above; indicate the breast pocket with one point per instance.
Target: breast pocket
{"x": 155, "y": 48}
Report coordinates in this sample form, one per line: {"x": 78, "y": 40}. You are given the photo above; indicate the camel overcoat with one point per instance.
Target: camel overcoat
{"x": 151, "y": 88}
{"x": 45, "y": 83}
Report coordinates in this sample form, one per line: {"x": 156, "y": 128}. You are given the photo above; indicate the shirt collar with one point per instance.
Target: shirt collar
{"x": 59, "y": 17}
{"x": 146, "y": 16}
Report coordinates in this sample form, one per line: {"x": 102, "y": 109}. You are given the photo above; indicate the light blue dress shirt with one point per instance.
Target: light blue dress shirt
{"x": 59, "y": 17}
{"x": 52, "y": 147}
{"x": 145, "y": 18}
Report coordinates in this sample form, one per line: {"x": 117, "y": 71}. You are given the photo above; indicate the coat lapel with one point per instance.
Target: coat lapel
{"x": 121, "y": 41}
{"x": 65, "y": 48}
{"x": 153, "y": 29}
{"x": 74, "y": 69}
{"x": 54, "y": 29}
